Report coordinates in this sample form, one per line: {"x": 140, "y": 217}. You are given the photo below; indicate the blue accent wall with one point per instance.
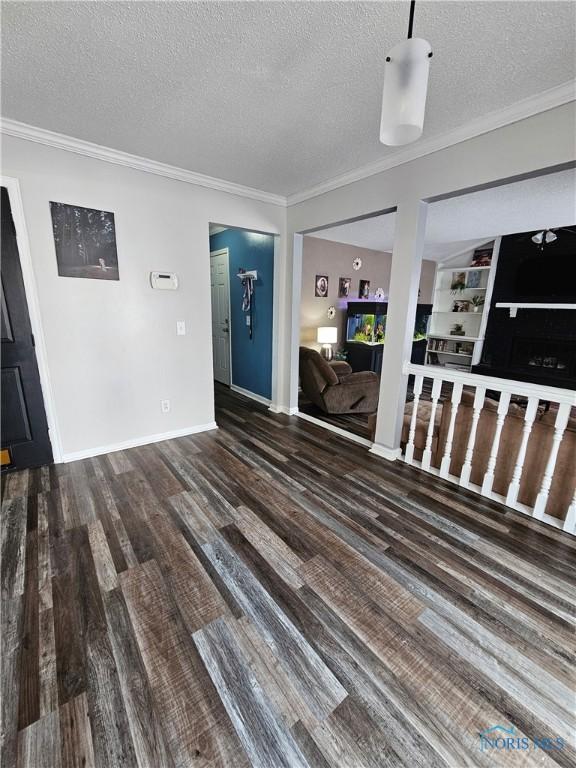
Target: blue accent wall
{"x": 251, "y": 358}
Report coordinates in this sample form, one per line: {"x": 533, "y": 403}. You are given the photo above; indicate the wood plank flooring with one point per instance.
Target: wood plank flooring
{"x": 356, "y": 423}
{"x": 271, "y": 595}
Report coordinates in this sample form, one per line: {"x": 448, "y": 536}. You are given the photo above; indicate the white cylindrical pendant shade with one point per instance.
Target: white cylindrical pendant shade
{"x": 405, "y": 89}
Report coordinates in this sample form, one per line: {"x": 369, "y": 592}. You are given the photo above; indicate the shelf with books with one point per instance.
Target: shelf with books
{"x": 461, "y": 304}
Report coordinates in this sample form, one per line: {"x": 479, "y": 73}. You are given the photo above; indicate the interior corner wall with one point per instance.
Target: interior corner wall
{"x": 251, "y": 357}
{"x": 326, "y": 257}
{"x": 112, "y": 350}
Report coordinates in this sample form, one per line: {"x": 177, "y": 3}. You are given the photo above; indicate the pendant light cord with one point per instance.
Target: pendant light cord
{"x": 411, "y": 19}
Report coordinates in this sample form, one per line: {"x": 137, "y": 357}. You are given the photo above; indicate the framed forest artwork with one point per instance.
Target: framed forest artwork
{"x": 85, "y": 241}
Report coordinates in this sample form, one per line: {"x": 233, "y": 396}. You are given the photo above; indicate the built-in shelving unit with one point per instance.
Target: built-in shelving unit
{"x": 461, "y": 298}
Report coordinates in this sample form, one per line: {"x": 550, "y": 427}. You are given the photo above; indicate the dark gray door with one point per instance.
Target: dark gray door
{"x": 25, "y": 440}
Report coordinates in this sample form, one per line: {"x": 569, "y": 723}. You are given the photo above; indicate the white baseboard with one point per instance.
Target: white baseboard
{"x": 336, "y": 430}
{"x": 251, "y": 395}
{"x": 137, "y": 441}
{"x": 391, "y": 454}
{"x": 283, "y": 409}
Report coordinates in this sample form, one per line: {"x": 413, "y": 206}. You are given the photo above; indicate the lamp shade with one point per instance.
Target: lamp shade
{"x": 405, "y": 88}
{"x": 327, "y": 335}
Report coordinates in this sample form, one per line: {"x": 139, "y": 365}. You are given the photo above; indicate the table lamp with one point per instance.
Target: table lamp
{"x": 327, "y": 335}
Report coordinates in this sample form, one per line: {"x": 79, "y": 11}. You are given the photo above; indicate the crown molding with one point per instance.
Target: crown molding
{"x": 117, "y": 157}
{"x": 533, "y": 105}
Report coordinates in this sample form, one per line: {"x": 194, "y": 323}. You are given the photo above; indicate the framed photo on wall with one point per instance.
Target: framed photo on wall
{"x": 364, "y": 289}
{"x": 344, "y": 285}
{"x": 321, "y": 286}
{"x": 85, "y": 241}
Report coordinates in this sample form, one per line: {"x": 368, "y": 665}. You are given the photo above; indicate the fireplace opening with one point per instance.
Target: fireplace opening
{"x": 556, "y": 358}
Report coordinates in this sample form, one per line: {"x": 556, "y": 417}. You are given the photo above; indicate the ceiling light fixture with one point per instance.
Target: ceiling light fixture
{"x": 405, "y": 88}
{"x": 546, "y": 236}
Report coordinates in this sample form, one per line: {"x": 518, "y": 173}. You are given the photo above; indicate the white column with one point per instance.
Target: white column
{"x": 294, "y": 314}
{"x": 410, "y": 226}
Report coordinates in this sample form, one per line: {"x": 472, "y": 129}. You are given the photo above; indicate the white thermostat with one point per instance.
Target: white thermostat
{"x": 164, "y": 281}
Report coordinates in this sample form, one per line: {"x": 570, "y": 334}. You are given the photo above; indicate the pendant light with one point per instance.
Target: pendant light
{"x": 405, "y": 88}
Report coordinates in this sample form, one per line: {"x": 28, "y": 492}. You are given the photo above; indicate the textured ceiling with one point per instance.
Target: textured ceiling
{"x": 453, "y": 225}
{"x": 274, "y": 95}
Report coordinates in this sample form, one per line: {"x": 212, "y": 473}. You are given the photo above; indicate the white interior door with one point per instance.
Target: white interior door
{"x": 220, "y": 289}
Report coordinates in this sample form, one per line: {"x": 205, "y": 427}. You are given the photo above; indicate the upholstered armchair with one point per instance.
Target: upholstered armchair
{"x": 334, "y": 388}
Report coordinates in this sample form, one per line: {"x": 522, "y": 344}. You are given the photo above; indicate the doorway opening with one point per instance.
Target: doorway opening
{"x": 345, "y": 282}
{"x": 242, "y": 291}
{"x": 25, "y": 438}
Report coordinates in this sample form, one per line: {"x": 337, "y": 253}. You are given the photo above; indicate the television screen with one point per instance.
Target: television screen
{"x": 548, "y": 275}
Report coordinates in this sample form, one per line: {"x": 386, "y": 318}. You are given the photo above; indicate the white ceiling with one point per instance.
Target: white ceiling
{"x": 456, "y": 224}
{"x": 274, "y": 95}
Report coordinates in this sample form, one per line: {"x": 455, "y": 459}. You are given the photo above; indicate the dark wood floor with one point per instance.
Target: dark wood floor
{"x": 269, "y": 594}
{"x": 356, "y": 423}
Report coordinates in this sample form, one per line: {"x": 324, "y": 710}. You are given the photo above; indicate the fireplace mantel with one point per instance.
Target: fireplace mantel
{"x": 515, "y": 306}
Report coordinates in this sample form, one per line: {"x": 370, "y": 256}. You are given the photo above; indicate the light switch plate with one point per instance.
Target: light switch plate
{"x": 180, "y": 328}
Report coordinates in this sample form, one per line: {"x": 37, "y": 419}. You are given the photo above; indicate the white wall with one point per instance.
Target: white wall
{"x": 112, "y": 349}
{"x": 326, "y": 257}
{"x": 543, "y": 141}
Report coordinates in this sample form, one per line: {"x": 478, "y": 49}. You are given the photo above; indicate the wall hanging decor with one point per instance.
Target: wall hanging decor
{"x": 331, "y": 313}
{"x": 364, "y": 289}
{"x": 321, "y": 286}
{"x": 85, "y": 241}
{"x": 344, "y": 285}
{"x": 357, "y": 264}
{"x": 248, "y": 277}
{"x": 379, "y": 294}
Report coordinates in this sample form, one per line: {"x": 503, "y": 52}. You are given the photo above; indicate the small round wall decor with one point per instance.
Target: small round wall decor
{"x": 379, "y": 294}
{"x": 356, "y": 264}
{"x": 331, "y": 313}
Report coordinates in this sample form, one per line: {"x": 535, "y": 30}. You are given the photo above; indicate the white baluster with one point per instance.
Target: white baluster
{"x": 427, "y": 455}
{"x": 447, "y": 458}
{"x": 570, "y": 521}
{"x": 514, "y": 487}
{"x": 500, "y": 419}
{"x": 467, "y": 466}
{"x": 559, "y": 427}
{"x": 409, "y": 455}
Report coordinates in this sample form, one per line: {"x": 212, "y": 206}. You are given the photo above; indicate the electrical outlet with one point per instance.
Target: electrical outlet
{"x": 180, "y": 328}
{"x": 165, "y": 405}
